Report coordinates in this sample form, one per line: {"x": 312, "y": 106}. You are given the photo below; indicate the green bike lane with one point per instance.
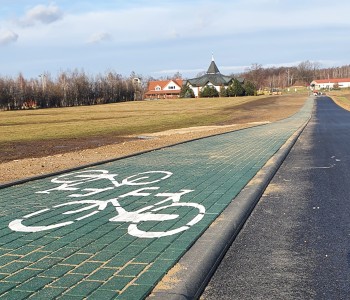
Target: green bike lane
{"x": 112, "y": 231}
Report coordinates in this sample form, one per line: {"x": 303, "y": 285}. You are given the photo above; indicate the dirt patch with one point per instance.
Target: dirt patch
{"x": 21, "y": 160}
{"x": 169, "y": 279}
{"x": 32, "y": 149}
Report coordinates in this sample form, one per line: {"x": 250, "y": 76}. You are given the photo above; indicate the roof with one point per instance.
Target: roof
{"x": 213, "y": 69}
{"x": 213, "y": 76}
{"x": 215, "y": 79}
{"x": 163, "y": 83}
{"x": 332, "y": 80}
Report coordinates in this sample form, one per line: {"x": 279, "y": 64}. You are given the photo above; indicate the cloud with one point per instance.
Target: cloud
{"x": 99, "y": 37}
{"x": 42, "y": 14}
{"x": 7, "y": 37}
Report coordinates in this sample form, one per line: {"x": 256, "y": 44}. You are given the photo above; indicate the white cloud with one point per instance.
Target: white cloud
{"x": 99, "y": 37}
{"x": 42, "y": 14}
{"x": 175, "y": 36}
{"x": 7, "y": 37}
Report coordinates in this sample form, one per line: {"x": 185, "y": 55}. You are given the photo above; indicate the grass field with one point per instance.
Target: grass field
{"x": 121, "y": 119}
{"x": 341, "y": 97}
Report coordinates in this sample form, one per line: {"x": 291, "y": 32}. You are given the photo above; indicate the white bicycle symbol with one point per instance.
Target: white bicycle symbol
{"x": 69, "y": 182}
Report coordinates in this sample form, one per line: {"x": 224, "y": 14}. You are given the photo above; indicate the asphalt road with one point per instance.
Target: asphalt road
{"x": 296, "y": 243}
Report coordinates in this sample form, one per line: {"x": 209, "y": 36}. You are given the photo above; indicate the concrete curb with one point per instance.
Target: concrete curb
{"x": 188, "y": 279}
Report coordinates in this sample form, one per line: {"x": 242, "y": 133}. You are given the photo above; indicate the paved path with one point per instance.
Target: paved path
{"x": 113, "y": 230}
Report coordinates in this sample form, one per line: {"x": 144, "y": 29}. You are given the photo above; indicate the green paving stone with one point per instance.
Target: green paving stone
{"x": 183, "y": 242}
{"x": 132, "y": 270}
{"x": 87, "y": 268}
{"x": 34, "y": 284}
{"x": 6, "y": 286}
{"x": 45, "y": 263}
{"x": 2, "y": 276}
{"x": 76, "y": 259}
{"x": 84, "y": 288}
{"x": 168, "y": 239}
{"x": 116, "y": 283}
{"x": 47, "y": 293}
{"x": 80, "y": 242}
{"x": 64, "y": 252}
{"x": 135, "y": 292}
{"x": 54, "y": 246}
{"x": 7, "y": 239}
{"x": 24, "y": 250}
{"x": 102, "y": 274}
{"x": 17, "y": 244}
{"x": 161, "y": 265}
{"x": 118, "y": 261}
{"x": 67, "y": 280}
{"x": 34, "y": 256}
{"x": 23, "y": 275}
{"x": 103, "y": 256}
{"x": 103, "y": 294}
{"x": 171, "y": 253}
{"x": 4, "y": 251}
{"x": 43, "y": 241}
{"x": 6, "y": 259}
{"x": 149, "y": 278}
{"x": 93, "y": 248}
{"x": 57, "y": 271}
{"x": 107, "y": 238}
{"x": 146, "y": 257}
{"x": 13, "y": 267}
{"x": 16, "y": 295}
{"x": 157, "y": 246}
{"x": 117, "y": 246}
{"x": 69, "y": 297}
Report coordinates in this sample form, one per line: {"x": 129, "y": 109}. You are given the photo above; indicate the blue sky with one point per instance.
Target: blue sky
{"x": 160, "y": 37}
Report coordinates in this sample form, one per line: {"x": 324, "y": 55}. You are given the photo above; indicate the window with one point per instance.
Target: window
{"x": 158, "y": 88}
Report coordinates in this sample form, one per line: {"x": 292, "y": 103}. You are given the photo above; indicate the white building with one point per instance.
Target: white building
{"x": 213, "y": 77}
{"x": 330, "y": 83}
{"x": 164, "y": 89}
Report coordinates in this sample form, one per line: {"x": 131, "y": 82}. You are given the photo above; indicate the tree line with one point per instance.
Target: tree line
{"x": 68, "y": 89}
{"x": 75, "y": 88}
{"x": 283, "y": 77}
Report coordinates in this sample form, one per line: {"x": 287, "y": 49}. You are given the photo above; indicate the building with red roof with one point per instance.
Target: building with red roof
{"x": 330, "y": 83}
{"x": 164, "y": 89}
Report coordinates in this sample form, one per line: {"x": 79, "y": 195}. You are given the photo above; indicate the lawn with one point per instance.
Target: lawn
{"x": 341, "y": 97}
{"x": 119, "y": 119}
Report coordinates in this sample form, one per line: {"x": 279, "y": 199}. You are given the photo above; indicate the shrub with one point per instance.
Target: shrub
{"x": 186, "y": 92}
{"x": 209, "y": 91}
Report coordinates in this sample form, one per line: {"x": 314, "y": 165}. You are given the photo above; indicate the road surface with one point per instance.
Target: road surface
{"x": 296, "y": 243}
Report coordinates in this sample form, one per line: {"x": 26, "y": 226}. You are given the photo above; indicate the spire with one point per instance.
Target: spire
{"x": 213, "y": 69}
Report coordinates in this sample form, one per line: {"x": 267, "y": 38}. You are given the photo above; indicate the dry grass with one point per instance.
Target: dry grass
{"x": 342, "y": 98}
{"x": 118, "y": 119}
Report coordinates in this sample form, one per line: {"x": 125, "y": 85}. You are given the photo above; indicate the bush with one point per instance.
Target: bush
{"x": 223, "y": 92}
{"x": 235, "y": 89}
{"x": 250, "y": 89}
{"x": 186, "y": 92}
{"x": 209, "y": 91}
